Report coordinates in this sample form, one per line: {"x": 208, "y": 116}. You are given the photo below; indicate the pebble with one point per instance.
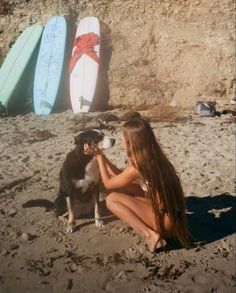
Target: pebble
{"x": 122, "y": 229}
{"x": 26, "y": 236}
{"x": 73, "y": 267}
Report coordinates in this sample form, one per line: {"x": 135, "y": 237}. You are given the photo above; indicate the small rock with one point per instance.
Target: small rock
{"x": 26, "y": 236}
{"x": 73, "y": 267}
{"x": 122, "y": 229}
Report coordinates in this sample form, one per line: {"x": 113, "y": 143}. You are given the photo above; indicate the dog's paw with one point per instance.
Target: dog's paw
{"x": 99, "y": 223}
{"x": 70, "y": 228}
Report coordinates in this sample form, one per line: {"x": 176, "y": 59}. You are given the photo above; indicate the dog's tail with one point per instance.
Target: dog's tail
{"x": 43, "y": 203}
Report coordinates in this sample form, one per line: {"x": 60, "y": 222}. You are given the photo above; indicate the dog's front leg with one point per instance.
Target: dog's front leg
{"x": 71, "y": 218}
{"x": 97, "y": 215}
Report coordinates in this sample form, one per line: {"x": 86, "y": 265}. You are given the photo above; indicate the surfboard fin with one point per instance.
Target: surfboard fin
{"x": 83, "y": 102}
{"x": 3, "y": 110}
{"x": 45, "y": 104}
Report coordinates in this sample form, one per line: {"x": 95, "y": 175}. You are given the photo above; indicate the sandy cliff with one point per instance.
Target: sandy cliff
{"x": 152, "y": 51}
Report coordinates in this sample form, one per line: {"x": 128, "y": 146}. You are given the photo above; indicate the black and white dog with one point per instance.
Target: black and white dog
{"x": 79, "y": 180}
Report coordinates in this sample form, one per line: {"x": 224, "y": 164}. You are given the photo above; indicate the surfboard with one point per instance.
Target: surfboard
{"x": 49, "y": 65}
{"x": 84, "y": 64}
{"x": 17, "y": 60}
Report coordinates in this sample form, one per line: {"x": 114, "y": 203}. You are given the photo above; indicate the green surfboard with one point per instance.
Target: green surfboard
{"x": 17, "y": 60}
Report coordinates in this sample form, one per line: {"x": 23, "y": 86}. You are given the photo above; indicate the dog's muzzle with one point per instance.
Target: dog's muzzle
{"x": 106, "y": 143}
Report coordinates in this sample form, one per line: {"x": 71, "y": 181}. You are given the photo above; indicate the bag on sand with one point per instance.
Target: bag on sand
{"x": 205, "y": 108}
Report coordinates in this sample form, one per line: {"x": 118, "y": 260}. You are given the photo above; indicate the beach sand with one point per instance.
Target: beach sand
{"x": 37, "y": 255}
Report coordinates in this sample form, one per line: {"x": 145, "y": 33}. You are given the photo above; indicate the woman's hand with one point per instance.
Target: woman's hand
{"x": 92, "y": 150}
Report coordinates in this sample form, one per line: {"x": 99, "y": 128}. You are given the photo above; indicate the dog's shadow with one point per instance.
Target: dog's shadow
{"x": 211, "y": 218}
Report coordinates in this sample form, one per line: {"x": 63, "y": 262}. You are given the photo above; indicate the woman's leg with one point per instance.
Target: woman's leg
{"x": 137, "y": 212}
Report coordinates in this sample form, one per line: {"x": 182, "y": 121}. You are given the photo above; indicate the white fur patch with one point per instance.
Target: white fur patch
{"x": 92, "y": 171}
{"x": 106, "y": 143}
{"x": 92, "y": 175}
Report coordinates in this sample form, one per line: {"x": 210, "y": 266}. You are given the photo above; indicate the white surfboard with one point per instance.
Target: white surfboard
{"x": 84, "y": 64}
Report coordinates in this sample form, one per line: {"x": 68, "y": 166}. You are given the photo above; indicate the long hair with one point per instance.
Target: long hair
{"x": 163, "y": 185}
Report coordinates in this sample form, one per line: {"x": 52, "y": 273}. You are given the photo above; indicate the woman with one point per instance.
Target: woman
{"x": 147, "y": 194}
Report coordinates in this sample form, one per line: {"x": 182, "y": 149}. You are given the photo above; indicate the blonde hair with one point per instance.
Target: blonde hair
{"x": 146, "y": 155}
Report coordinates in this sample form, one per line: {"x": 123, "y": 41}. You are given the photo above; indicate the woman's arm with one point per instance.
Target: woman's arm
{"x": 127, "y": 176}
{"x": 121, "y": 178}
{"x": 112, "y": 169}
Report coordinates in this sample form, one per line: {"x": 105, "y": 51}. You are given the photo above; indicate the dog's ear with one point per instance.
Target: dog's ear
{"x": 79, "y": 139}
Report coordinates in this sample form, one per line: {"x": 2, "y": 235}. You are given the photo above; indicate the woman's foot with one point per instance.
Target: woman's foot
{"x": 154, "y": 241}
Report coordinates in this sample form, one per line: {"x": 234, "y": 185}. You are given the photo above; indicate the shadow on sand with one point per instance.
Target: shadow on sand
{"x": 211, "y": 218}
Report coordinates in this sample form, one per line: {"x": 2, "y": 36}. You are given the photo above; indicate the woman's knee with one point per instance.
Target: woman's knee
{"x": 111, "y": 199}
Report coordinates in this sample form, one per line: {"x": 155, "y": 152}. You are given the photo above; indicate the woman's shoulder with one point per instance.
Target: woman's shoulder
{"x": 132, "y": 170}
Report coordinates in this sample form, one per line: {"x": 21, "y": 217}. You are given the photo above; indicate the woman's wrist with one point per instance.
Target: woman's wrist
{"x": 99, "y": 155}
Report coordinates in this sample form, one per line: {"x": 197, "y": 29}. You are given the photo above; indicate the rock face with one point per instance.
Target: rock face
{"x": 153, "y": 52}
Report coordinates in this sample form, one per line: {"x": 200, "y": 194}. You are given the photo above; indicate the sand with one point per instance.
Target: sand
{"x": 37, "y": 255}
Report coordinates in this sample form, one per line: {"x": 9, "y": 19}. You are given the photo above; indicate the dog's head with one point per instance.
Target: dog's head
{"x": 94, "y": 137}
